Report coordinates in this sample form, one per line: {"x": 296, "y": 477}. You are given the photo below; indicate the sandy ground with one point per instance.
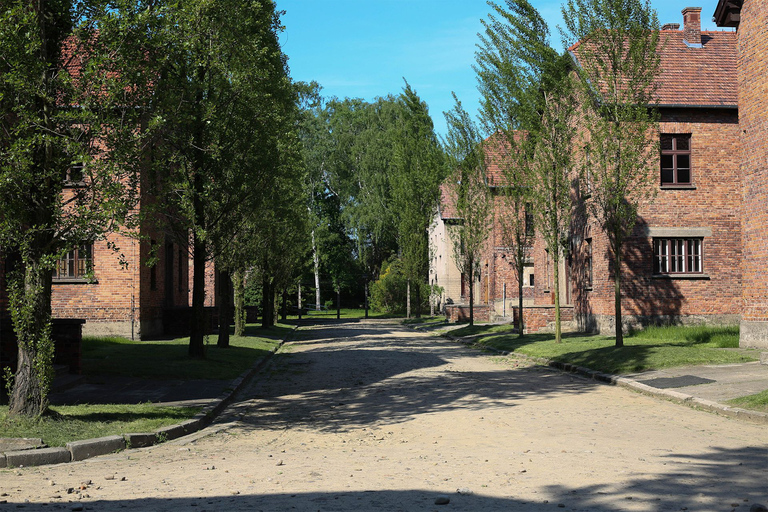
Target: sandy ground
{"x": 372, "y": 416}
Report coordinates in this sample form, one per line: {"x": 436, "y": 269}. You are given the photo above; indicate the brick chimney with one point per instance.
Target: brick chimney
{"x": 692, "y": 27}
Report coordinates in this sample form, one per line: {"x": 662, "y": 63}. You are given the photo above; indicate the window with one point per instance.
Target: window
{"x": 588, "y": 263}
{"x": 676, "y": 159}
{"x": 529, "y": 227}
{"x": 76, "y": 264}
{"x": 531, "y": 280}
{"x": 677, "y": 256}
{"x": 74, "y": 175}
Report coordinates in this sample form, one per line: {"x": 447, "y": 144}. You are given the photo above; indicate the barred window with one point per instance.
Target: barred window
{"x": 677, "y": 256}
{"x": 76, "y": 264}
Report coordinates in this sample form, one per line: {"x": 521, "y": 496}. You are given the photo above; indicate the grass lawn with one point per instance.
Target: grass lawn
{"x": 425, "y": 320}
{"x": 168, "y": 359}
{"x": 346, "y": 313}
{"x": 757, "y": 402}
{"x": 76, "y": 422}
{"x": 651, "y": 349}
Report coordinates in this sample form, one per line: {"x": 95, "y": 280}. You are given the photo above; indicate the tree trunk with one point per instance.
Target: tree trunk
{"x": 471, "y": 293}
{"x": 338, "y": 303}
{"x": 284, "y": 308}
{"x": 239, "y": 283}
{"x": 520, "y": 321}
{"x": 224, "y": 308}
{"x": 316, "y": 259}
{"x": 418, "y": 300}
{"x": 31, "y": 314}
{"x": 267, "y": 302}
{"x": 196, "y": 346}
{"x": 617, "y": 296}
{"x": 556, "y": 291}
{"x": 408, "y": 299}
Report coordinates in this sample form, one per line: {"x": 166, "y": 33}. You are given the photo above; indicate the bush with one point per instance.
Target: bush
{"x": 388, "y": 293}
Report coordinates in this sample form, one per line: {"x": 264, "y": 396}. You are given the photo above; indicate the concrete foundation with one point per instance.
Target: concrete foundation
{"x": 753, "y": 335}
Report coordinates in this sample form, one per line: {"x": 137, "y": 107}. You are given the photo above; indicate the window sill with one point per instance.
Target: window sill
{"x": 678, "y": 187}
{"x": 703, "y": 277}
{"x": 74, "y": 280}
{"x": 587, "y": 288}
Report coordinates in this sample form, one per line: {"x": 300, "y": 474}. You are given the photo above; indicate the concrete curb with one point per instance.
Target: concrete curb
{"x": 87, "y": 448}
{"x": 617, "y": 380}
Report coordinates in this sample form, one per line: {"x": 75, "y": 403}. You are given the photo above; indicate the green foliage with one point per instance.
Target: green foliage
{"x": 389, "y": 292}
{"x": 527, "y": 102}
{"x": 72, "y": 95}
{"x": 618, "y": 64}
{"x": 469, "y": 190}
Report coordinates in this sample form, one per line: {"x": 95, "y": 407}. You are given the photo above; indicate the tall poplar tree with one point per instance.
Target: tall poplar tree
{"x": 418, "y": 170}
{"x": 473, "y": 201}
{"x": 615, "y": 48}
{"x": 526, "y": 101}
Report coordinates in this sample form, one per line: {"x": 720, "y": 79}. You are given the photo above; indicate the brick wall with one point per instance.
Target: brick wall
{"x": 711, "y": 207}
{"x": 753, "y": 112}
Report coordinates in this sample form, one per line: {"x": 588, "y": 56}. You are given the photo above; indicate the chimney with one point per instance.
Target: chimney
{"x": 692, "y": 27}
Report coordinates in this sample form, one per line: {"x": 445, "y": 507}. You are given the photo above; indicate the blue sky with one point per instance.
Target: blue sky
{"x": 364, "y": 48}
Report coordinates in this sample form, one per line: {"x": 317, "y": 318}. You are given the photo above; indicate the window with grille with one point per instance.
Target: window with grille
{"x": 676, "y": 159}
{"x": 76, "y": 264}
{"x": 677, "y": 256}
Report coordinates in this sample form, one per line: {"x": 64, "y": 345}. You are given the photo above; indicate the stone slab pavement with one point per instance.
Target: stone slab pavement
{"x": 719, "y": 383}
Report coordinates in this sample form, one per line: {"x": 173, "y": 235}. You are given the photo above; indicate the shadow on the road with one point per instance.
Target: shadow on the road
{"x": 370, "y": 375}
{"x": 722, "y": 479}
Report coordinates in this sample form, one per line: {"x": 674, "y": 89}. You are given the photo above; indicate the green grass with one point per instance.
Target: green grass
{"x": 346, "y": 313}
{"x": 169, "y": 359}
{"x": 757, "y": 402}
{"x": 75, "y": 422}
{"x": 425, "y": 320}
{"x": 474, "y": 330}
{"x": 656, "y": 348}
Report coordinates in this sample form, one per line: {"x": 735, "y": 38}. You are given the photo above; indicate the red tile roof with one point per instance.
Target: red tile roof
{"x": 448, "y": 203}
{"x": 697, "y": 76}
{"x": 703, "y": 76}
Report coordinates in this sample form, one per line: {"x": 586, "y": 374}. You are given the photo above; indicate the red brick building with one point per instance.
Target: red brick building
{"x": 682, "y": 262}
{"x": 750, "y": 18}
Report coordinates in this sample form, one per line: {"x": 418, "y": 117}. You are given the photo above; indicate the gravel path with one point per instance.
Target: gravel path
{"x": 372, "y": 416}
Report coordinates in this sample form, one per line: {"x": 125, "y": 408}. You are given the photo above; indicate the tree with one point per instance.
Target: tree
{"x": 418, "y": 169}
{"x": 467, "y": 186}
{"x": 71, "y": 98}
{"x": 615, "y": 50}
{"x": 522, "y": 79}
{"x": 551, "y": 173}
{"x": 225, "y": 101}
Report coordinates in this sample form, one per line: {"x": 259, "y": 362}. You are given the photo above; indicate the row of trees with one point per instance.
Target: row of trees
{"x": 373, "y": 172}
{"x": 185, "y": 109}
{"x": 581, "y": 117}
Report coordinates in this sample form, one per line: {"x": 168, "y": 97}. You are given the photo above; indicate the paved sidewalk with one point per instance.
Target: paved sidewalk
{"x": 718, "y": 383}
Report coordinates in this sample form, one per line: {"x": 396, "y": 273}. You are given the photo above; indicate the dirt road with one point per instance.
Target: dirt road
{"x": 372, "y": 416}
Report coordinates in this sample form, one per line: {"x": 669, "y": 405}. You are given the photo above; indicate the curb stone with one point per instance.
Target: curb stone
{"x": 88, "y": 448}
{"x": 617, "y": 380}
{"x": 38, "y": 457}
